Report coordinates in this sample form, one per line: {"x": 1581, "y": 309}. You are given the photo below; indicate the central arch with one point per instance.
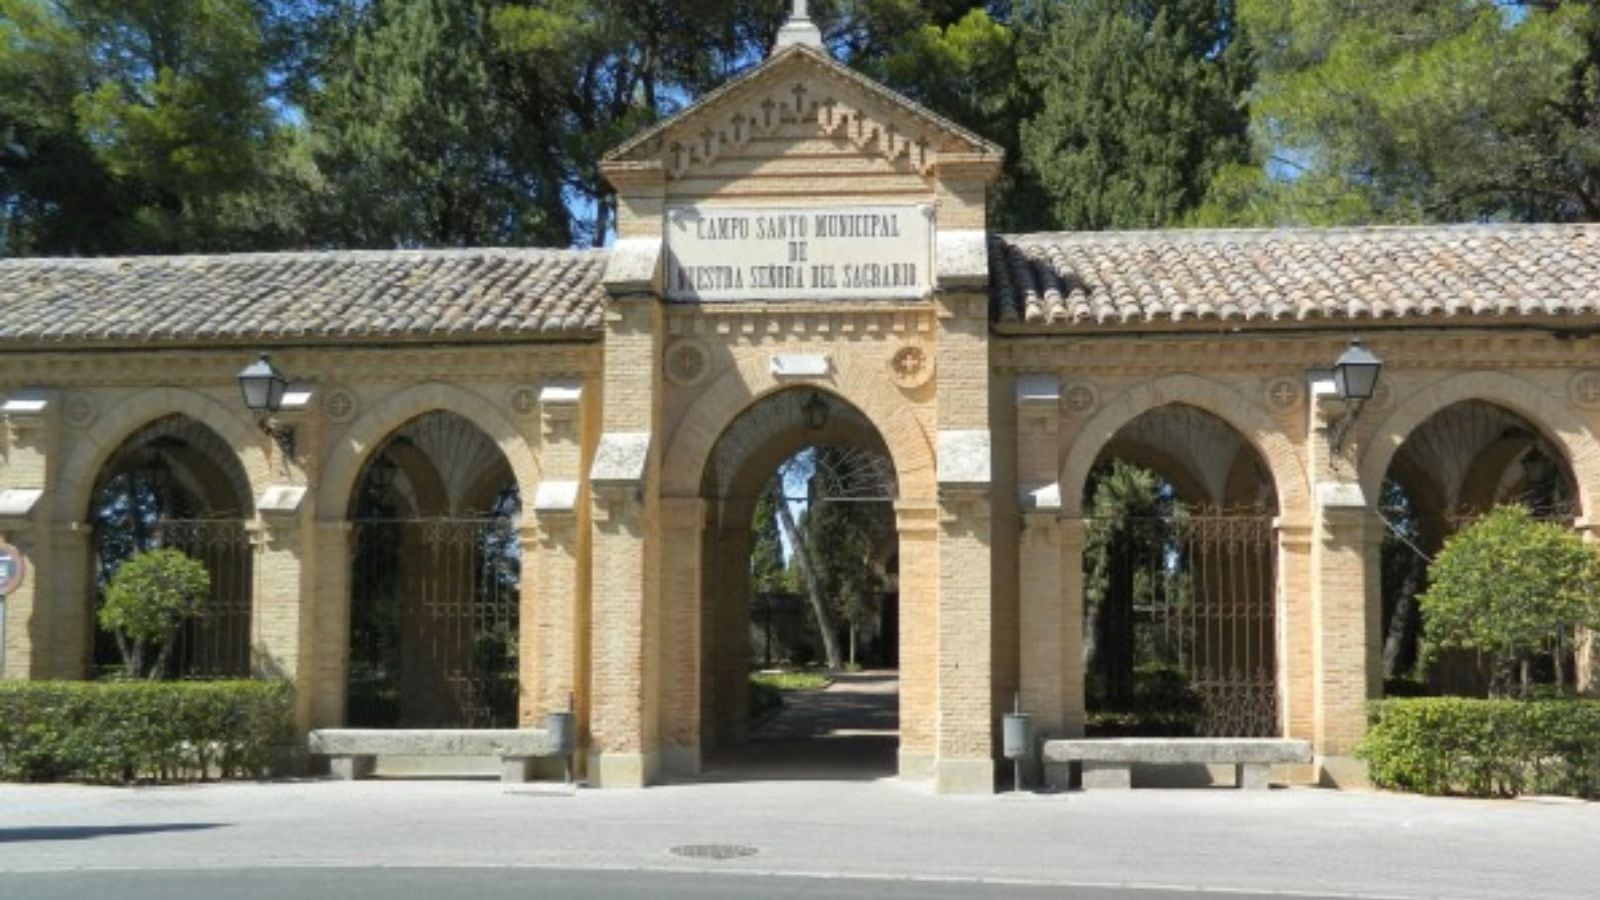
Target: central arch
{"x": 847, "y": 472}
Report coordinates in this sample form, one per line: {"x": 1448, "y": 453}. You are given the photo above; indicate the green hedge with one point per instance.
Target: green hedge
{"x": 124, "y": 732}
{"x": 1485, "y": 748}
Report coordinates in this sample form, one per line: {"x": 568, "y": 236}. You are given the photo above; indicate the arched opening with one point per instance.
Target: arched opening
{"x": 435, "y": 581}
{"x": 800, "y": 556}
{"x": 1456, "y": 466}
{"x": 1180, "y": 582}
{"x": 176, "y": 484}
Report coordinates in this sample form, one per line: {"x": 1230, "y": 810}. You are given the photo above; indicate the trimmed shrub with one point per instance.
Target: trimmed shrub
{"x": 127, "y": 732}
{"x": 1485, "y": 748}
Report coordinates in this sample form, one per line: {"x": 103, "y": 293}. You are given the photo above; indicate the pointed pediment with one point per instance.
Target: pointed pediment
{"x": 800, "y": 88}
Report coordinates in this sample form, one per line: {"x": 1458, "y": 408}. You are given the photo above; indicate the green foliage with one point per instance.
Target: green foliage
{"x": 767, "y": 570}
{"x": 1511, "y": 587}
{"x": 1472, "y": 109}
{"x": 432, "y": 135}
{"x": 126, "y": 732}
{"x": 1140, "y": 107}
{"x": 969, "y": 72}
{"x": 791, "y": 680}
{"x": 1485, "y": 748}
{"x": 142, "y": 125}
{"x": 146, "y": 603}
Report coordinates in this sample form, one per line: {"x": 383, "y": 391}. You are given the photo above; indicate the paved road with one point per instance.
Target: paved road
{"x": 847, "y": 732}
{"x": 520, "y": 884}
{"x": 834, "y": 829}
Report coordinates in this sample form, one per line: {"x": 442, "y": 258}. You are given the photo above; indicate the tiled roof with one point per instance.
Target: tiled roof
{"x": 404, "y": 294}
{"x": 1083, "y": 281}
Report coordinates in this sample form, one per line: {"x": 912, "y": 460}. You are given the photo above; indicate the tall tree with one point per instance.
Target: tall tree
{"x": 1141, "y": 103}
{"x": 141, "y": 125}
{"x": 1460, "y": 110}
{"x": 418, "y": 124}
{"x": 968, "y": 71}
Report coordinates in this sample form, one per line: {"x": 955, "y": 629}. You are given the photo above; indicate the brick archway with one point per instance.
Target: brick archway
{"x": 741, "y": 387}
{"x": 348, "y": 451}
{"x": 90, "y": 453}
{"x": 1255, "y": 426}
{"x": 1523, "y": 398}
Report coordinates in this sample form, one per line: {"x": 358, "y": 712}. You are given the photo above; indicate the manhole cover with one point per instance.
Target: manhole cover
{"x": 714, "y": 851}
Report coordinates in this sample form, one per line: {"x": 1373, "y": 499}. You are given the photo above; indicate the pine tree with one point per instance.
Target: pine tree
{"x": 1140, "y": 104}
{"x": 1475, "y": 109}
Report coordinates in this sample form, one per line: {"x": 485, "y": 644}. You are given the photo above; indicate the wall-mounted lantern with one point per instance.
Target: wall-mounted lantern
{"x": 1355, "y": 378}
{"x": 816, "y": 411}
{"x": 263, "y": 388}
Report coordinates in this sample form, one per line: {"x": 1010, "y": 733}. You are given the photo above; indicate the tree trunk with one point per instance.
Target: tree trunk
{"x": 1402, "y": 625}
{"x": 808, "y": 572}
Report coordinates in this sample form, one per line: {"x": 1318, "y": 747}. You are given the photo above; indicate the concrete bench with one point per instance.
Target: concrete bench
{"x": 1109, "y": 762}
{"x": 353, "y": 752}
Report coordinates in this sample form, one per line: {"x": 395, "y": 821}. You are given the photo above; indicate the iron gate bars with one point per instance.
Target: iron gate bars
{"x": 434, "y": 623}
{"x": 1184, "y": 636}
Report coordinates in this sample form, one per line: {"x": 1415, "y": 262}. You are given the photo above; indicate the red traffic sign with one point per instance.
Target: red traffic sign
{"x": 12, "y": 568}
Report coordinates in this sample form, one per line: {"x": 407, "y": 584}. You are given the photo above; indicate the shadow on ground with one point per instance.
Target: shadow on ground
{"x": 846, "y": 732}
{"x": 86, "y": 832}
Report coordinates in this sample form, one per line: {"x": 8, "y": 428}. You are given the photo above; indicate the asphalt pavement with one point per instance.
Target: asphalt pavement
{"x": 766, "y": 826}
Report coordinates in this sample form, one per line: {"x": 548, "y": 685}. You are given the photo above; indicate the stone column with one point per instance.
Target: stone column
{"x": 1296, "y": 662}
{"x": 1052, "y": 628}
{"x": 282, "y": 614}
{"x": 1050, "y": 669}
{"x": 553, "y": 634}
{"x": 1344, "y": 608}
{"x": 682, "y": 524}
{"x": 917, "y": 524}
{"x": 28, "y": 439}
{"x": 622, "y": 742}
{"x": 17, "y": 617}
{"x": 1586, "y": 653}
{"x": 63, "y": 630}
{"x": 330, "y": 615}
{"x": 965, "y": 693}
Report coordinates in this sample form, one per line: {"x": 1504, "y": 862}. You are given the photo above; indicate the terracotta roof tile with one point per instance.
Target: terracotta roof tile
{"x": 1085, "y": 280}
{"x": 349, "y": 295}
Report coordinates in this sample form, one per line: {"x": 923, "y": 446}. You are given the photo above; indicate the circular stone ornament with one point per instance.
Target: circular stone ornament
{"x": 340, "y": 405}
{"x": 911, "y": 366}
{"x": 79, "y": 411}
{"x": 524, "y": 400}
{"x": 1283, "y": 395}
{"x": 687, "y": 363}
{"x": 1080, "y": 398}
{"x": 1584, "y": 389}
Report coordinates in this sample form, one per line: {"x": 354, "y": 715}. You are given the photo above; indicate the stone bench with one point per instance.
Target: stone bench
{"x": 1109, "y": 762}
{"x": 353, "y": 752}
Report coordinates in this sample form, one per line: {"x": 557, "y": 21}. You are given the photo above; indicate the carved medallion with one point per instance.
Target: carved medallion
{"x": 79, "y": 411}
{"x": 911, "y": 366}
{"x": 1584, "y": 388}
{"x": 523, "y": 400}
{"x": 1283, "y": 395}
{"x": 687, "y": 363}
{"x": 340, "y": 405}
{"x": 1080, "y": 399}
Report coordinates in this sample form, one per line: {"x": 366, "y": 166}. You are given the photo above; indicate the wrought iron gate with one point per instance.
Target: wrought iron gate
{"x": 216, "y": 643}
{"x": 1184, "y": 631}
{"x": 434, "y": 623}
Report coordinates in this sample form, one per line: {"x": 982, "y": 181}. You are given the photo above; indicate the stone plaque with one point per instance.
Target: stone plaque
{"x": 731, "y": 254}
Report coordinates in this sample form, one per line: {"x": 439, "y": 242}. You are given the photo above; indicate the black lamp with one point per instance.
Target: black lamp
{"x": 263, "y": 387}
{"x": 816, "y": 411}
{"x": 1355, "y": 378}
{"x": 1355, "y": 375}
